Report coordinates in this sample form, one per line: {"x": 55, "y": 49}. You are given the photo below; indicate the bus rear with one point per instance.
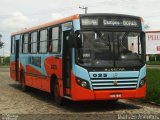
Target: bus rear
{"x": 108, "y": 57}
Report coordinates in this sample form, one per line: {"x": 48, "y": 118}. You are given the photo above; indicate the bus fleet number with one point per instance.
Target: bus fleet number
{"x": 100, "y": 75}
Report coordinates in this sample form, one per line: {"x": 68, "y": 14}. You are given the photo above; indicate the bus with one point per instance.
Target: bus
{"x": 83, "y": 57}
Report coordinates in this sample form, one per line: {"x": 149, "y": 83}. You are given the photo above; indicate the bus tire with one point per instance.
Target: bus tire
{"x": 23, "y": 82}
{"x": 112, "y": 101}
{"x": 57, "y": 98}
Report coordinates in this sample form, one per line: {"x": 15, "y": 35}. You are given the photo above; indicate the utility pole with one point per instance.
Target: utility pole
{"x": 1, "y": 58}
{"x": 85, "y": 8}
{"x": 0, "y": 37}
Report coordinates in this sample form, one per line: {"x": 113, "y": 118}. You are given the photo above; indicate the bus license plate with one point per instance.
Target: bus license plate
{"x": 116, "y": 95}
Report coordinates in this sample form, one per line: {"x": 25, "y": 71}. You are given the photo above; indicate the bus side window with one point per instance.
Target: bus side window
{"x": 25, "y": 43}
{"x": 50, "y": 41}
{"x": 43, "y": 41}
{"x": 56, "y": 44}
{"x": 34, "y": 42}
{"x": 13, "y": 45}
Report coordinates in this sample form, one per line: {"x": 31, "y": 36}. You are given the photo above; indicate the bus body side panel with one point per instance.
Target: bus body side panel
{"x": 39, "y": 77}
{"x": 33, "y": 76}
{"x": 35, "y": 73}
{"x": 53, "y": 66}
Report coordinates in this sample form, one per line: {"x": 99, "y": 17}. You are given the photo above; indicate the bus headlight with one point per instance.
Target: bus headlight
{"x": 142, "y": 82}
{"x": 83, "y": 83}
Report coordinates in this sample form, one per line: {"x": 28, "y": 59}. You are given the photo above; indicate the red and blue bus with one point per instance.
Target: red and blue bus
{"x": 82, "y": 57}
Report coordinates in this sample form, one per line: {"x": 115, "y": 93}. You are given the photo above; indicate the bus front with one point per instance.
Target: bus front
{"x": 108, "y": 58}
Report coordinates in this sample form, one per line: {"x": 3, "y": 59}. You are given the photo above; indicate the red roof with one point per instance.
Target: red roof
{"x": 48, "y": 24}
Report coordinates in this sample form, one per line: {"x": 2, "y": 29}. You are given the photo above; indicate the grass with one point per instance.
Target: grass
{"x": 153, "y": 63}
{"x": 153, "y": 86}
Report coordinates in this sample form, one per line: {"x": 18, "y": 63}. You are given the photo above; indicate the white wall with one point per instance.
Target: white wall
{"x": 153, "y": 42}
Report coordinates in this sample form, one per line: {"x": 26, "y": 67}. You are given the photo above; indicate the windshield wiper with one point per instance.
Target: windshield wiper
{"x": 100, "y": 36}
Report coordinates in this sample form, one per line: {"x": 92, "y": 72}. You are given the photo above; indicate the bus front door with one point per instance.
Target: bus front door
{"x": 66, "y": 64}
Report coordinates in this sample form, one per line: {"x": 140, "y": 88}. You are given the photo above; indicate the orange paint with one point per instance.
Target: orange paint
{"x": 82, "y": 94}
{"x": 35, "y": 79}
{"x": 79, "y": 93}
{"x": 51, "y": 61}
{"x": 12, "y": 70}
{"x": 61, "y": 87}
{"x": 125, "y": 94}
{"x": 48, "y": 24}
{"x": 68, "y": 91}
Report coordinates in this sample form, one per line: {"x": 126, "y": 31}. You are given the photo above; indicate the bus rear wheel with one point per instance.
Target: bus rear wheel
{"x": 57, "y": 98}
{"x": 23, "y": 82}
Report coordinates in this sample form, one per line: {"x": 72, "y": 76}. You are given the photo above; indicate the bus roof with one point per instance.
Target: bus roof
{"x": 76, "y": 16}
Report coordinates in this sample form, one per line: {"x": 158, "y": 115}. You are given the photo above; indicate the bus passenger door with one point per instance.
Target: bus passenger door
{"x": 66, "y": 64}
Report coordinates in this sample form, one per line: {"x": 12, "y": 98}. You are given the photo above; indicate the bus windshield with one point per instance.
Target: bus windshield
{"x": 110, "y": 49}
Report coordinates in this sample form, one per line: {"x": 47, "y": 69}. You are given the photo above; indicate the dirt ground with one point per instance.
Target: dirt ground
{"x": 36, "y": 104}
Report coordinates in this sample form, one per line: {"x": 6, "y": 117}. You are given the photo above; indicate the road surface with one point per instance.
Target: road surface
{"x": 39, "y": 105}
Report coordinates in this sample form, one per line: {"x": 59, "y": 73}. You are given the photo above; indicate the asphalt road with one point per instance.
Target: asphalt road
{"x": 36, "y": 104}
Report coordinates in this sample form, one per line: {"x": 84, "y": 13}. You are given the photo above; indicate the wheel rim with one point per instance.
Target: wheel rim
{"x": 57, "y": 92}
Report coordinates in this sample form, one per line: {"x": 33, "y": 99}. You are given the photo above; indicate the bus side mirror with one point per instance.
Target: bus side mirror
{"x": 72, "y": 39}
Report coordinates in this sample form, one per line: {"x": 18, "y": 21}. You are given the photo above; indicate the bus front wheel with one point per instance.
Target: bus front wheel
{"x": 57, "y": 98}
{"x": 112, "y": 101}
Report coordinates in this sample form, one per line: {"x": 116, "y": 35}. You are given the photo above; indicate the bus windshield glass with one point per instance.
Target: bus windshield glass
{"x": 109, "y": 49}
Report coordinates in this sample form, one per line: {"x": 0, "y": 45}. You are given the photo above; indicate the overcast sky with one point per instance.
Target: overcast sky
{"x": 19, "y": 14}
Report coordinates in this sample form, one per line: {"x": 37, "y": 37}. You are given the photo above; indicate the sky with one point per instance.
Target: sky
{"x": 19, "y": 14}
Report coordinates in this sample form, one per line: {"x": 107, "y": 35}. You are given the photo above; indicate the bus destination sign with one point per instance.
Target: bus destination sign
{"x": 120, "y": 22}
{"x": 111, "y": 22}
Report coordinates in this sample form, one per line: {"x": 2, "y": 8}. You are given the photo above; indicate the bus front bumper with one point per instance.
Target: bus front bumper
{"x": 83, "y": 94}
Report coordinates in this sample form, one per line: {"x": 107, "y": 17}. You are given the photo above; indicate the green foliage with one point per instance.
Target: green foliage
{"x": 152, "y": 57}
{"x": 6, "y": 61}
{"x": 153, "y": 85}
{"x": 1, "y": 44}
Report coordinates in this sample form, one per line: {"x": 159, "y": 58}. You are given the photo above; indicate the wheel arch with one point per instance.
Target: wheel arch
{"x": 53, "y": 78}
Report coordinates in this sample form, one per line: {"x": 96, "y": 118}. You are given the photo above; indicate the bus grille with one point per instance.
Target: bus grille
{"x": 102, "y": 84}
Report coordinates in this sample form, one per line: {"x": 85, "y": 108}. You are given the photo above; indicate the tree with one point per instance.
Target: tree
{"x": 1, "y": 43}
